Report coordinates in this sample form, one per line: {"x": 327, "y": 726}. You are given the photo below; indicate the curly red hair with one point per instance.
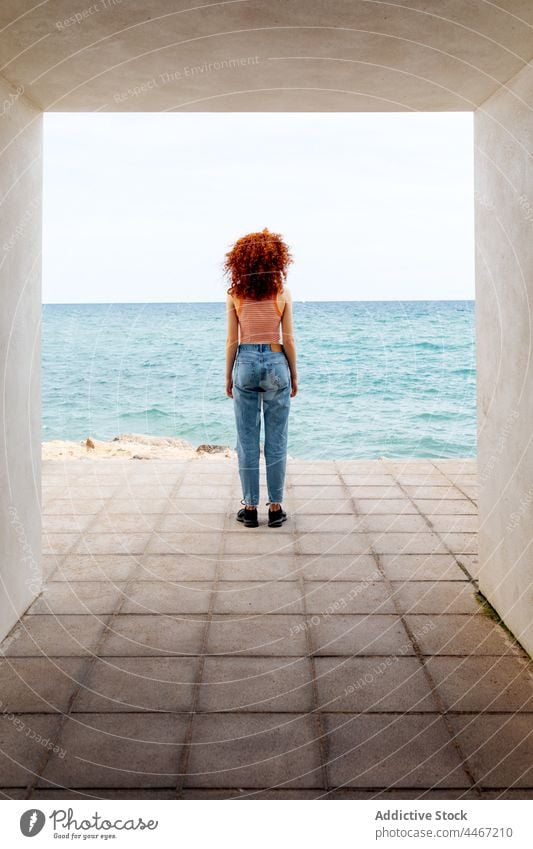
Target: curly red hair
{"x": 257, "y": 265}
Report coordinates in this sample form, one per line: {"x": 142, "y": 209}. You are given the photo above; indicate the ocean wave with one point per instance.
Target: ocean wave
{"x": 153, "y": 412}
{"x": 434, "y": 415}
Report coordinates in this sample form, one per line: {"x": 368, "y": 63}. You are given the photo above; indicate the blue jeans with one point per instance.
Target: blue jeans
{"x": 261, "y": 374}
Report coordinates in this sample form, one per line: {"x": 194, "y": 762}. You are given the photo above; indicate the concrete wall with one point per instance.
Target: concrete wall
{"x": 504, "y": 326}
{"x": 20, "y": 315}
{"x": 504, "y": 282}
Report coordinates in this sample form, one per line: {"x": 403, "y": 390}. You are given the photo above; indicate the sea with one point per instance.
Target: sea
{"x": 376, "y": 378}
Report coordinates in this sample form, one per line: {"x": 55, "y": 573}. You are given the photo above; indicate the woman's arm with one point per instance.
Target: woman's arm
{"x": 232, "y": 341}
{"x": 289, "y": 345}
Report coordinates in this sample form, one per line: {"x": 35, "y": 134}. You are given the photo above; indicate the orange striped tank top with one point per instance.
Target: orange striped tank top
{"x": 259, "y": 321}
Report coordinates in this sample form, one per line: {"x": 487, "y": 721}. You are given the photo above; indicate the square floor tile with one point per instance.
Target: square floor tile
{"x": 123, "y": 684}
{"x": 435, "y": 597}
{"x": 192, "y": 507}
{"x": 194, "y": 476}
{"x": 254, "y": 750}
{"x": 483, "y": 683}
{"x": 111, "y": 543}
{"x": 39, "y": 684}
{"x": 25, "y": 743}
{"x": 258, "y": 597}
{"x": 192, "y": 522}
{"x": 373, "y": 478}
{"x": 368, "y": 684}
{"x": 334, "y": 597}
{"x": 447, "y": 507}
{"x": 394, "y": 523}
{"x": 458, "y": 524}
{"x": 430, "y": 479}
{"x": 101, "y": 567}
{"x": 163, "y": 597}
{"x": 319, "y": 506}
{"x": 358, "y": 634}
{"x": 137, "y": 507}
{"x": 137, "y": 635}
{"x": 460, "y": 635}
{"x": 59, "y": 543}
{"x": 470, "y": 563}
{"x": 175, "y": 568}
{"x": 252, "y": 541}
{"x": 326, "y": 543}
{"x": 311, "y": 467}
{"x": 66, "y": 523}
{"x": 497, "y": 748}
{"x": 458, "y": 542}
{"x": 49, "y": 563}
{"x": 324, "y": 491}
{"x": 437, "y": 492}
{"x": 341, "y": 567}
{"x": 336, "y": 524}
{"x": 384, "y": 750}
{"x": 407, "y": 543}
{"x": 383, "y": 493}
{"x": 421, "y": 567}
{"x": 140, "y": 490}
{"x": 52, "y": 636}
{"x": 99, "y": 490}
{"x": 60, "y": 597}
{"x": 73, "y": 507}
{"x": 124, "y": 523}
{"x": 117, "y": 750}
{"x": 314, "y": 479}
{"x": 375, "y": 506}
{"x": 206, "y": 491}
{"x": 184, "y": 543}
{"x": 257, "y": 684}
{"x": 260, "y": 635}
{"x": 262, "y": 567}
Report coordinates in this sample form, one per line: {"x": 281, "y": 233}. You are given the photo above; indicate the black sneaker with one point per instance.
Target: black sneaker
{"x": 248, "y": 517}
{"x": 276, "y": 517}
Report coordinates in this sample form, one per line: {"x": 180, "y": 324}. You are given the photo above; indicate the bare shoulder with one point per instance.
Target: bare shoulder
{"x": 287, "y": 297}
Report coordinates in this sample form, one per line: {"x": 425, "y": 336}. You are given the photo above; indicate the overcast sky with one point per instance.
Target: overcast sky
{"x": 142, "y": 207}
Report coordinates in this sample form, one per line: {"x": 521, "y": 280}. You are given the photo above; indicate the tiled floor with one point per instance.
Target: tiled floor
{"x": 176, "y": 654}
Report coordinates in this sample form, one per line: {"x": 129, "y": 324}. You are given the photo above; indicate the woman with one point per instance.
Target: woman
{"x": 260, "y": 365}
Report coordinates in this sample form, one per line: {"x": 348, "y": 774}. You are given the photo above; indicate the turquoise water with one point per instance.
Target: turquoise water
{"x": 375, "y": 377}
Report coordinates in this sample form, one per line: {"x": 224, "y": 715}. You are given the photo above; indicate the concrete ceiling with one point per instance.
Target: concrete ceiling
{"x": 263, "y": 55}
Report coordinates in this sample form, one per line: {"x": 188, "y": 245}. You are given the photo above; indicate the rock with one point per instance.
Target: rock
{"x": 212, "y": 449}
{"x": 89, "y": 443}
{"x": 153, "y": 441}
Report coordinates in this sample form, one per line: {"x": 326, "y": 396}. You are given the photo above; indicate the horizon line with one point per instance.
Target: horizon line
{"x": 294, "y": 300}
